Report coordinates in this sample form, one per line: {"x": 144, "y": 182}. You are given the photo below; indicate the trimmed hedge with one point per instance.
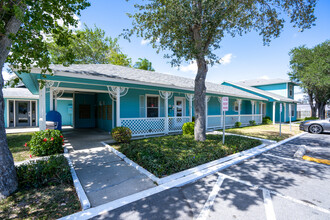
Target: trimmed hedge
{"x": 238, "y": 124}
{"x": 39, "y": 173}
{"x": 311, "y": 118}
{"x": 266, "y": 121}
{"x": 121, "y": 134}
{"x": 188, "y": 128}
{"x": 47, "y": 142}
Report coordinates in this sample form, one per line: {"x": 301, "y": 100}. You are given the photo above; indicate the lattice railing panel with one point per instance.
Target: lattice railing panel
{"x": 258, "y": 118}
{"x": 231, "y": 119}
{"x": 144, "y": 126}
{"x": 245, "y": 119}
{"x": 175, "y": 123}
{"x": 214, "y": 121}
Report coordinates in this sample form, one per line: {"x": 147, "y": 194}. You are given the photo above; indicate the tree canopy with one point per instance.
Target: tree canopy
{"x": 22, "y": 28}
{"x": 191, "y": 30}
{"x": 310, "y": 67}
{"x": 144, "y": 64}
{"x": 88, "y": 46}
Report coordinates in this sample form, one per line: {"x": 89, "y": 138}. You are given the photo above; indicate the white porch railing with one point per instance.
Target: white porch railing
{"x": 150, "y": 126}
{"x": 144, "y": 126}
{"x": 175, "y": 123}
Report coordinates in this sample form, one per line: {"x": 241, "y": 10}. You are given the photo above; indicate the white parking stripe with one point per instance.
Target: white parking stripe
{"x": 277, "y": 194}
{"x": 209, "y": 203}
{"x": 296, "y": 160}
{"x": 270, "y": 214}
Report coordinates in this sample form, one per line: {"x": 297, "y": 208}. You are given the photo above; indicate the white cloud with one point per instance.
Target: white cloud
{"x": 6, "y": 76}
{"x": 264, "y": 77}
{"x": 192, "y": 67}
{"x": 144, "y": 42}
{"x": 226, "y": 59}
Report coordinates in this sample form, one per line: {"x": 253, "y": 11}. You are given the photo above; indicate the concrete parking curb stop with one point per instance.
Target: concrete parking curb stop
{"x": 84, "y": 201}
{"x": 92, "y": 212}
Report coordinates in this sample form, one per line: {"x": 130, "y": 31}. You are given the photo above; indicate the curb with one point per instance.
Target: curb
{"x": 85, "y": 204}
{"x": 34, "y": 160}
{"x": 92, "y": 212}
{"x": 240, "y": 135}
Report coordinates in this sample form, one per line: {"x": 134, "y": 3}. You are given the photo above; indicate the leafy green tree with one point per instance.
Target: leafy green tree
{"x": 192, "y": 29}
{"x": 310, "y": 67}
{"x": 88, "y": 46}
{"x": 144, "y": 64}
{"x": 23, "y": 24}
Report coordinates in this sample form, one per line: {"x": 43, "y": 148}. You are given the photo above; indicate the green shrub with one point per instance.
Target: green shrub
{"x": 188, "y": 128}
{"x": 39, "y": 173}
{"x": 311, "y": 118}
{"x": 252, "y": 123}
{"x": 121, "y": 134}
{"x": 266, "y": 121}
{"x": 238, "y": 124}
{"x": 47, "y": 142}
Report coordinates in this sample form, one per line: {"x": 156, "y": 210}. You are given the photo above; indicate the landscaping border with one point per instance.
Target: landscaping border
{"x": 92, "y": 212}
{"x": 84, "y": 201}
{"x": 240, "y": 135}
{"x": 189, "y": 171}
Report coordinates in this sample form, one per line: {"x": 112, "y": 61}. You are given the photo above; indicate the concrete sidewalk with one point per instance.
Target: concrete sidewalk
{"x": 103, "y": 175}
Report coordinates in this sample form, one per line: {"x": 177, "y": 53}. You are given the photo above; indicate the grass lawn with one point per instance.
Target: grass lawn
{"x": 166, "y": 155}
{"x": 45, "y": 191}
{"x": 16, "y": 145}
{"x": 270, "y": 132}
{"x": 50, "y": 202}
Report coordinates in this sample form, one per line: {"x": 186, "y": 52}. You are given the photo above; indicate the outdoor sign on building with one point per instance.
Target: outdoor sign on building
{"x": 225, "y": 104}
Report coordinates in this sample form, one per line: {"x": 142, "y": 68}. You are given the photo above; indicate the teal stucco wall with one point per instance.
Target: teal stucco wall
{"x": 63, "y": 109}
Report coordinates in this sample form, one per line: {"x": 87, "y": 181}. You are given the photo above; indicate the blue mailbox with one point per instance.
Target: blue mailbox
{"x": 56, "y": 117}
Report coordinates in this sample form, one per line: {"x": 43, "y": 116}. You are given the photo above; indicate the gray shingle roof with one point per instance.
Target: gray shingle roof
{"x": 263, "y": 92}
{"x": 261, "y": 82}
{"x": 18, "y": 93}
{"x": 109, "y": 71}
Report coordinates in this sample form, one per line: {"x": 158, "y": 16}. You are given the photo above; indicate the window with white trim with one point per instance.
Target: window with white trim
{"x": 152, "y": 106}
{"x": 236, "y": 106}
{"x": 290, "y": 91}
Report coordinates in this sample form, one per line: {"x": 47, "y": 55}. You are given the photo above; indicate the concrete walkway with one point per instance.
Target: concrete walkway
{"x": 103, "y": 175}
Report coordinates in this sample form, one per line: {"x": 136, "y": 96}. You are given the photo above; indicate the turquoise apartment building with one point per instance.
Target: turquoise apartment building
{"x": 105, "y": 96}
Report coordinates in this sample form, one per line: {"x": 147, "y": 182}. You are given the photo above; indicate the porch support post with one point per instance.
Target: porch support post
{"x": 51, "y": 99}
{"x": 166, "y": 112}
{"x": 14, "y": 113}
{"x": 239, "y": 109}
{"x": 252, "y": 103}
{"x": 261, "y": 110}
{"x": 206, "y": 108}
{"x": 274, "y": 109}
{"x": 284, "y": 104}
{"x": 118, "y": 124}
{"x": 55, "y": 101}
{"x": 42, "y": 108}
{"x": 190, "y": 107}
{"x": 30, "y": 113}
{"x": 290, "y": 113}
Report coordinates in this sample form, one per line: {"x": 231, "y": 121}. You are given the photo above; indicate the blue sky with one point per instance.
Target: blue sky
{"x": 246, "y": 57}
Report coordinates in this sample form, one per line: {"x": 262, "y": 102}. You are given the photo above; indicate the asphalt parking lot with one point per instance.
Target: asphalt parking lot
{"x": 273, "y": 185}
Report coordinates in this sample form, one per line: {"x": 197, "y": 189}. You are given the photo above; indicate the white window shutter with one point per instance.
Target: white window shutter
{"x": 142, "y": 106}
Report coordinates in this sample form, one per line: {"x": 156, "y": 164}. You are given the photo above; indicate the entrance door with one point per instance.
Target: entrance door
{"x": 23, "y": 113}
{"x": 179, "y": 107}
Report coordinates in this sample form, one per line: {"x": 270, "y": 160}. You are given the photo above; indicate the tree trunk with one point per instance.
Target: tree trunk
{"x": 311, "y": 104}
{"x": 199, "y": 104}
{"x": 321, "y": 110}
{"x": 8, "y": 177}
